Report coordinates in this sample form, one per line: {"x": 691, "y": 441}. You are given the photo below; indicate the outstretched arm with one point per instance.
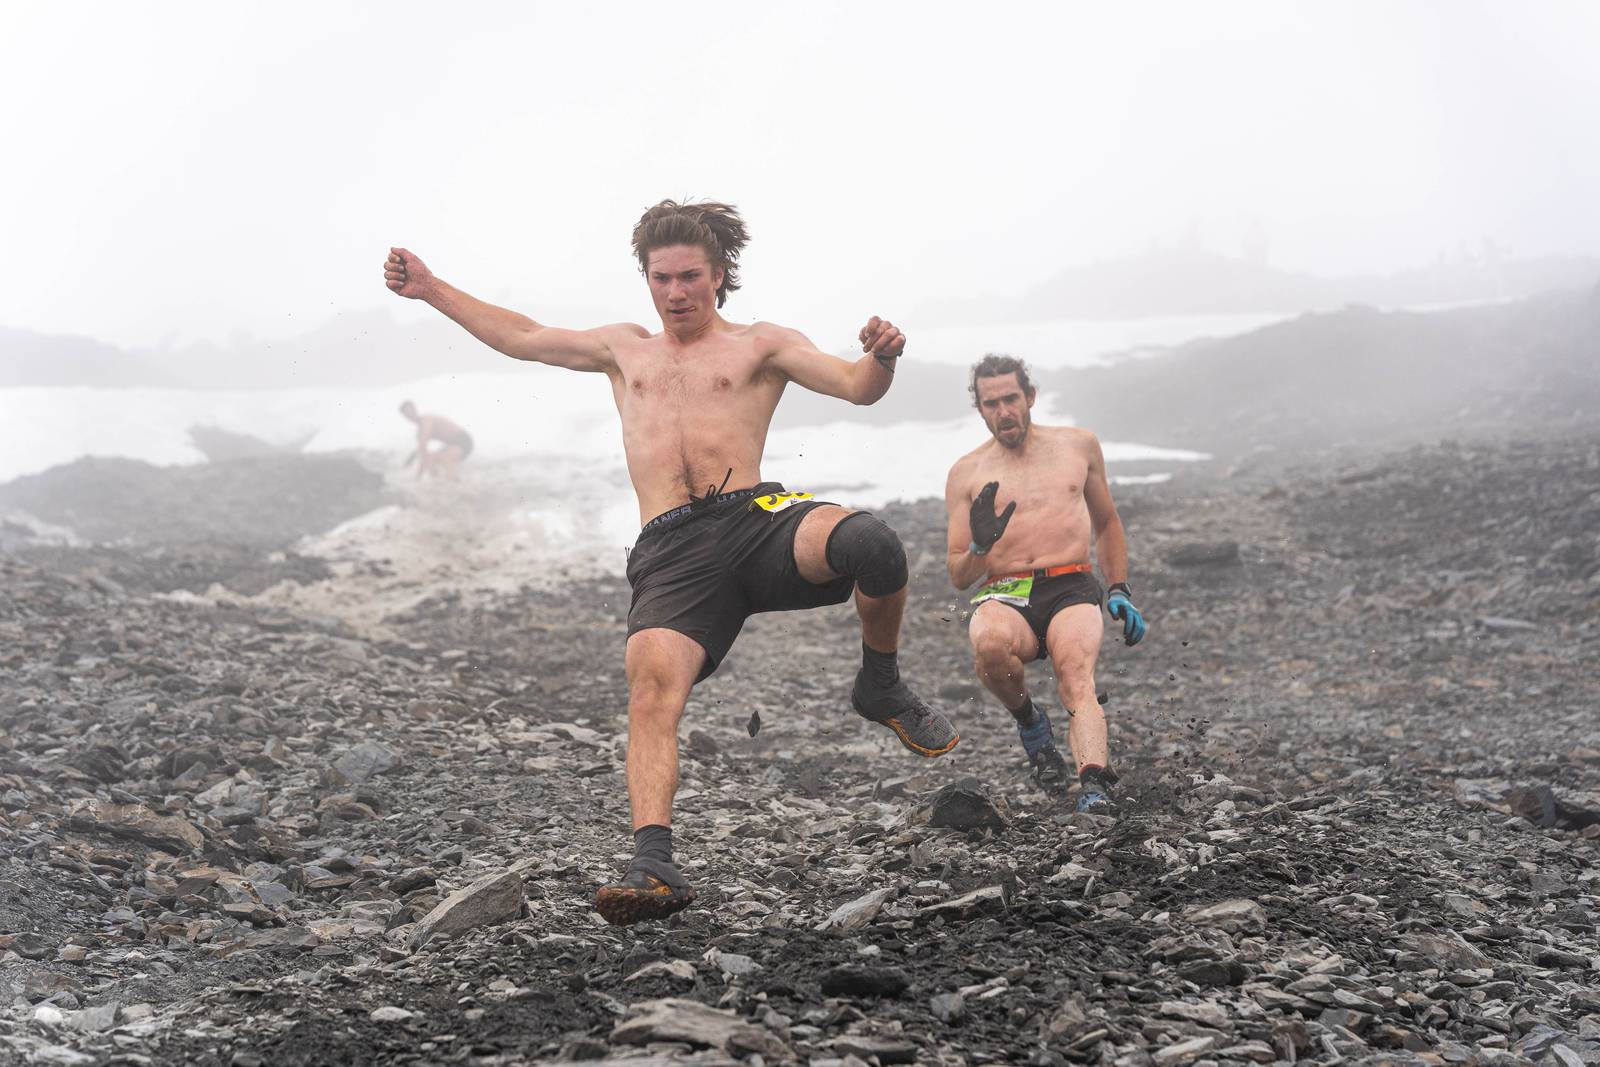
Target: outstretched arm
{"x": 1111, "y": 544}
{"x": 863, "y": 382}
{"x": 508, "y": 332}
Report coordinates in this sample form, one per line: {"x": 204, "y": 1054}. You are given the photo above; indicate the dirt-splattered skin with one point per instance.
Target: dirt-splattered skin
{"x": 1057, "y": 477}
{"x": 696, "y": 400}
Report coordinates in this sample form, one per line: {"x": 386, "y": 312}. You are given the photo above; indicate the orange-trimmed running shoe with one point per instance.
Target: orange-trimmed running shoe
{"x": 651, "y": 889}
{"x": 920, "y": 727}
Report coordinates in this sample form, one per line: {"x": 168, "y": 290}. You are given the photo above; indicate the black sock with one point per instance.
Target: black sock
{"x": 653, "y": 843}
{"x": 1026, "y": 715}
{"x": 881, "y": 668}
{"x": 1095, "y": 776}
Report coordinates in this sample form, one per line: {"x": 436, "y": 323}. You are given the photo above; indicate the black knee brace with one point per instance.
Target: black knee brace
{"x": 864, "y": 548}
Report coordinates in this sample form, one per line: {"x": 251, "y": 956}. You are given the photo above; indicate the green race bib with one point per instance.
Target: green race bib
{"x": 1007, "y": 591}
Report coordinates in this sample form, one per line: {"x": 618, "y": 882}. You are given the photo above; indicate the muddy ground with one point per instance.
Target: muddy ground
{"x": 1360, "y": 760}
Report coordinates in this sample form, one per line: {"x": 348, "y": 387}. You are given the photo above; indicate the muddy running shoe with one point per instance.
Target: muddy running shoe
{"x": 1094, "y": 794}
{"x": 1039, "y": 742}
{"x": 921, "y": 728}
{"x": 650, "y": 889}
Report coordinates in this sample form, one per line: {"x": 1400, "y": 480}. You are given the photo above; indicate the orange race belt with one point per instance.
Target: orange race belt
{"x": 1045, "y": 572}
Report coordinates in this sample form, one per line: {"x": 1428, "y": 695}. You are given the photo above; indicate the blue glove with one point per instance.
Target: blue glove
{"x": 1119, "y": 602}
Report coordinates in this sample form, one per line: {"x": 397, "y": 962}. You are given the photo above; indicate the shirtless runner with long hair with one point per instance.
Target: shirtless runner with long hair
{"x": 718, "y": 544}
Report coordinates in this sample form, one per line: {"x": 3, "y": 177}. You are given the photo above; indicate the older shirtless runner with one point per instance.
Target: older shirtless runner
{"x": 1040, "y": 597}
{"x": 718, "y": 544}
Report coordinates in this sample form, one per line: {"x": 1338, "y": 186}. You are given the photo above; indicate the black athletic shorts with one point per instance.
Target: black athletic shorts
{"x": 703, "y": 569}
{"x": 1049, "y": 596}
{"x": 462, "y": 440}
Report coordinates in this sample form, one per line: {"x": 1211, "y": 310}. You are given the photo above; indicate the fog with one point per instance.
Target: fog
{"x": 322, "y": 732}
{"x": 195, "y": 171}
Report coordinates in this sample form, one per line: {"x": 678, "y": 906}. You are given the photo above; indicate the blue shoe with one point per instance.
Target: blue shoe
{"x": 1039, "y": 742}
{"x": 1094, "y": 794}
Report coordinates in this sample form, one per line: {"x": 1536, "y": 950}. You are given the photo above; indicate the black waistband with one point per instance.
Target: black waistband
{"x": 684, "y": 512}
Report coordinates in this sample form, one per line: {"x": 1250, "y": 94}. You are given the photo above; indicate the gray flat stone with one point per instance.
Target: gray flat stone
{"x": 1236, "y": 916}
{"x": 948, "y": 1007}
{"x": 363, "y": 760}
{"x": 886, "y": 1049}
{"x": 858, "y": 912}
{"x": 491, "y": 899}
{"x": 689, "y": 1021}
{"x": 1184, "y": 1051}
{"x": 978, "y": 902}
{"x": 1444, "y": 951}
{"x": 677, "y": 970}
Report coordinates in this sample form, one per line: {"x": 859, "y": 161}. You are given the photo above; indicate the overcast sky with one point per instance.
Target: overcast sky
{"x": 185, "y": 170}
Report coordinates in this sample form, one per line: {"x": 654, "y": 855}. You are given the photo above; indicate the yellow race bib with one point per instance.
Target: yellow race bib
{"x": 776, "y": 502}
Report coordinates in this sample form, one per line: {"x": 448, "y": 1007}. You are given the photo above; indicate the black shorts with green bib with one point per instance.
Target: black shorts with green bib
{"x": 1042, "y": 599}
{"x": 704, "y": 568}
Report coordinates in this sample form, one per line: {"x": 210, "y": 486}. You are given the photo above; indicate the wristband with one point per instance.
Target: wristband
{"x": 1119, "y": 587}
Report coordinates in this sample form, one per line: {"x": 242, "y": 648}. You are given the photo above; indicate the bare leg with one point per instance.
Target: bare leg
{"x": 662, "y": 666}
{"x": 1074, "y": 641}
{"x": 880, "y": 615}
{"x": 1003, "y": 642}
{"x": 447, "y": 461}
{"x": 879, "y": 694}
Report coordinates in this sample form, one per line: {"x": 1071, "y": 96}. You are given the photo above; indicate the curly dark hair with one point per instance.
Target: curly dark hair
{"x": 715, "y": 227}
{"x": 995, "y": 365}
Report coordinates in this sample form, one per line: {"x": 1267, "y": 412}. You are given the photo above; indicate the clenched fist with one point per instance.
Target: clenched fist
{"x": 883, "y": 340}
{"x": 406, "y": 274}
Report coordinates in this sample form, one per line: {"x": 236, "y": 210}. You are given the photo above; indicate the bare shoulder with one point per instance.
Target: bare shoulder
{"x": 1078, "y": 439}
{"x": 969, "y": 465}
{"x": 621, "y": 331}
{"x": 771, "y": 336}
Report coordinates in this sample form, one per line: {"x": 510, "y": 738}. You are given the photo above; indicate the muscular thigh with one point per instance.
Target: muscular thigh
{"x": 664, "y": 662}
{"x": 994, "y": 620}
{"x": 811, "y": 542}
{"x": 1074, "y": 641}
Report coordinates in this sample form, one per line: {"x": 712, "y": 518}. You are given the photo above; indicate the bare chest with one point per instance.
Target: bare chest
{"x": 658, "y": 377}
{"x": 1047, "y": 482}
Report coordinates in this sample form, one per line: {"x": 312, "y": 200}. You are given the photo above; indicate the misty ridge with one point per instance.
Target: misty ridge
{"x": 373, "y": 348}
{"x": 1356, "y": 378}
{"x": 1336, "y": 378}
{"x": 1189, "y": 279}
{"x": 1361, "y": 379}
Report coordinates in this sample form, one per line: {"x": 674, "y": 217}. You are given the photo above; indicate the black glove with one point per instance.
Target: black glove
{"x": 987, "y": 527}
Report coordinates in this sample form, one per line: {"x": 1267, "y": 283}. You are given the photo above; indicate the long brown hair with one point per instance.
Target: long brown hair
{"x": 706, "y": 224}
